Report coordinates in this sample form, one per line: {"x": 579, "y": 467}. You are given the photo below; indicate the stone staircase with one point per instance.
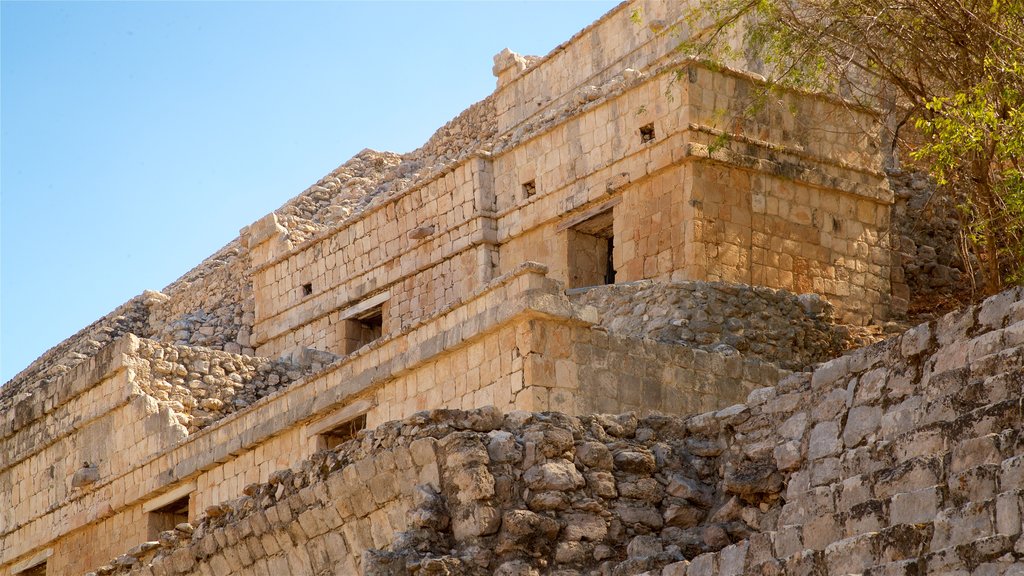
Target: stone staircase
{"x": 910, "y": 460}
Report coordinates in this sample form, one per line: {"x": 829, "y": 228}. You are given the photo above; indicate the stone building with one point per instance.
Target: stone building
{"x": 608, "y": 231}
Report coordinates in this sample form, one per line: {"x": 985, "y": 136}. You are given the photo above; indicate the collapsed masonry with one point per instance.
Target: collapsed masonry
{"x": 605, "y": 233}
{"x": 906, "y": 457}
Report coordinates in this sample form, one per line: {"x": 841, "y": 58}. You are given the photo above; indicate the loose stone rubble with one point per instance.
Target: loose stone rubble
{"x": 773, "y": 325}
{"x": 201, "y": 385}
{"x": 931, "y": 274}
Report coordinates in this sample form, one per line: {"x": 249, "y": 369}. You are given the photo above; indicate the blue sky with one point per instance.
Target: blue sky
{"x": 137, "y": 138}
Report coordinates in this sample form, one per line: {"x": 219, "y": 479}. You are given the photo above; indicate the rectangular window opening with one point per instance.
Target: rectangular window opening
{"x": 307, "y": 289}
{"x": 167, "y": 517}
{"x": 362, "y": 329}
{"x": 35, "y": 570}
{"x": 343, "y": 433}
{"x": 590, "y": 252}
{"x": 529, "y": 188}
{"x": 647, "y": 133}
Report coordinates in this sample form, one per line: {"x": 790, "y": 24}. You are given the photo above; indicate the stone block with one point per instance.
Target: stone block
{"x": 794, "y": 426}
{"x": 311, "y": 523}
{"x": 675, "y": 569}
{"x": 904, "y": 541}
{"x": 1008, "y": 513}
{"x": 901, "y": 418}
{"x": 996, "y": 308}
{"x": 975, "y": 452}
{"x": 853, "y": 491}
{"x": 852, "y": 555}
{"x": 908, "y": 476}
{"x": 831, "y": 372}
{"x": 825, "y": 471}
{"x": 962, "y": 525}
{"x": 759, "y": 396}
{"x": 703, "y": 565}
{"x": 732, "y": 559}
{"x": 1011, "y": 473}
{"x": 916, "y": 507}
{"x": 861, "y": 422}
{"x": 182, "y": 560}
{"x": 788, "y": 456}
{"x": 916, "y": 340}
{"x": 921, "y": 442}
{"x": 806, "y": 563}
{"x": 824, "y": 440}
{"x": 423, "y": 451}
{"x": 822, "y": 531}
{"x": 869, "y": 516}
{"x": 870, "y": 386}
{"x": 976, "y": 484}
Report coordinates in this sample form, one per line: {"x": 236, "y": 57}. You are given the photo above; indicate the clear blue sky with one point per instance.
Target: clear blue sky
{"x": 139, "y": 137}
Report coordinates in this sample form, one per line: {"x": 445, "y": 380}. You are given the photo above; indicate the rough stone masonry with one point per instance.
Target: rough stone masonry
{"x": 906, "y": 457}
{"x": 595, "y": 325}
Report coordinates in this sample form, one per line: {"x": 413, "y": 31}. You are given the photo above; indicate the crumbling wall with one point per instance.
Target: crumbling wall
{"x": 903, "y": 458}
{"x": 130, "y": 317}
{"x": 210, "y": 306}
{"x": 202, "y": 385}
{"x": 929, "y": 268}
{"x": 773, "y": 325}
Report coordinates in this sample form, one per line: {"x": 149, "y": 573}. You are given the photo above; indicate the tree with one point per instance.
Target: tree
{"x": 953, "y": 70}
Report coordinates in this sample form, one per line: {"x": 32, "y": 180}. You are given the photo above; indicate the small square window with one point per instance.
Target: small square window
{"x": 37, "y": 570}
{"x": 647, "y": 133}
{"x": 363, "y": 329}
{"x": 591, "y": 246}
{"x": 307, "y": 289}
{"x": 529, "y": 188}
{"x": 343, "y": 433}
{"x": 167, "y": 517}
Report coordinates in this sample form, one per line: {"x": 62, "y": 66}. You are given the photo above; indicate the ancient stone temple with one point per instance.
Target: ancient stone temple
{"x": 409, "y": 367}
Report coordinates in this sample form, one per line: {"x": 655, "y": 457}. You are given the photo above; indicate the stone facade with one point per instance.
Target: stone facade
{"x": 902, "y": 458}
{"x": 605, "y": 233}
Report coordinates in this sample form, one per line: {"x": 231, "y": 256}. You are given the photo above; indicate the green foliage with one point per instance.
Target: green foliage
{"x": 954, "y": 69}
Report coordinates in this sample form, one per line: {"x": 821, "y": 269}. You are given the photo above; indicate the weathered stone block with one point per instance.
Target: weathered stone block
{"x": 703, "y": 565}
{"x": 975, "y": 452}
{"x": 824, "y": 440}
{"x": 962, "y": 525}
{"x": 851, "y": 555}
{"x": 788, "y": 456}
{"x": 861, "y": 422}
{"x": 1008, "y": 513}
{"x": 916, "y": 507}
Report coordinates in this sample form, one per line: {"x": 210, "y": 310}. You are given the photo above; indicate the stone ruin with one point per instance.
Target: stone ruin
{"x": 602, "y": 322}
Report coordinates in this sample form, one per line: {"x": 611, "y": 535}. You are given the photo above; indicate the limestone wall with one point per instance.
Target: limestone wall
{"x": 904, "y": 457}
{"x": 901, "y": 458}
{"x": 696, "y": 191}
{"x": 216, "y": 421}
{"x": 87, "y": 426}
{"x": 623, "y": 374}
{"x": 353, "y": 262}
{"x": 769, "y": 201}
{"x": 528, "y": 88}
